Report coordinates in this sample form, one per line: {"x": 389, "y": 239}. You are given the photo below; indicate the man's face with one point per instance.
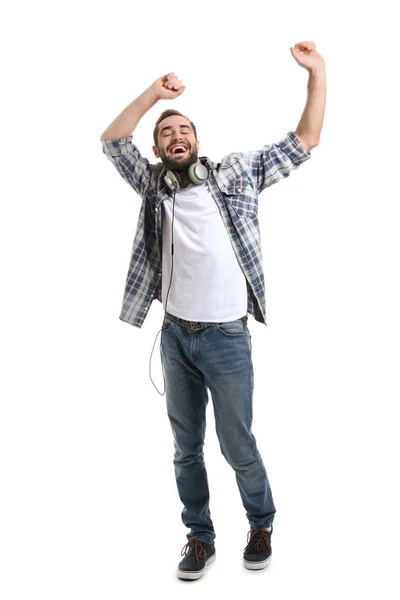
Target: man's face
{"x": 177, "y": 145}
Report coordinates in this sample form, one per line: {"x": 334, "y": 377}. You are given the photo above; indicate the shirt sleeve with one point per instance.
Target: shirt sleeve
{"x": 275, "y": 161}
{"x": 129, "y": 163}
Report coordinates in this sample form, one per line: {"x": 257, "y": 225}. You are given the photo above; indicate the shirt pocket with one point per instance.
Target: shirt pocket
{"x": 241, "y": 196}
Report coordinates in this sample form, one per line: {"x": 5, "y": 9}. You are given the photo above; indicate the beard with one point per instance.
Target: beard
{"x": 178, "y": 165}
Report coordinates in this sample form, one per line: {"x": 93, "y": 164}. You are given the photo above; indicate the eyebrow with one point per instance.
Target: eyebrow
{"x": 170, "y": 127}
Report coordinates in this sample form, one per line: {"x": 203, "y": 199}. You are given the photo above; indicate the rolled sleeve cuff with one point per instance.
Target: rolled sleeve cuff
{"x": 294, "y": 149}
{"x": 117, "y": 147}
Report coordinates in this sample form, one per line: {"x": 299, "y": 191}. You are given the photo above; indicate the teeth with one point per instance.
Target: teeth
{"x": 174, "y": 150}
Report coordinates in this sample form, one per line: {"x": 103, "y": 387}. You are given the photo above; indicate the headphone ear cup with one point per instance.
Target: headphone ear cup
{"x": 197, "y": 173}
{"x": 173, "y": 181}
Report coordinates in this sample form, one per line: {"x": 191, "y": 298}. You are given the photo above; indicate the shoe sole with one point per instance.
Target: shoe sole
{"x": 257, "y": 565}
{"x": 195, "y": 574}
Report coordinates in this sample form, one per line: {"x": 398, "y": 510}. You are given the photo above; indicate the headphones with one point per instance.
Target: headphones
{"x": 197, "y": 173}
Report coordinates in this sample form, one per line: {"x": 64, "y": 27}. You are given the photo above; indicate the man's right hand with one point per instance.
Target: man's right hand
{"x": 168, "y": 87}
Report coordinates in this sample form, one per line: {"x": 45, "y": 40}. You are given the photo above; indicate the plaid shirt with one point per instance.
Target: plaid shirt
{"x": 235, "y": 184}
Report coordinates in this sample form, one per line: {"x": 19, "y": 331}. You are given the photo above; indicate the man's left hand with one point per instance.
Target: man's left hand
{"x": 306, "y": 56}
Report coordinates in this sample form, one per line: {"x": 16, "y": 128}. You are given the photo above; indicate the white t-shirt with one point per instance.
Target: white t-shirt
{"x": 207, "y": 281}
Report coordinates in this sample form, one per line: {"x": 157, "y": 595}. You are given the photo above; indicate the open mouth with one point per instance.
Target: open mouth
{"x": 178, "y": 150}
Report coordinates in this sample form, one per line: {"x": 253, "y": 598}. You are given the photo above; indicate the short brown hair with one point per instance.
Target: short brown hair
{"x": 169, "y": 113}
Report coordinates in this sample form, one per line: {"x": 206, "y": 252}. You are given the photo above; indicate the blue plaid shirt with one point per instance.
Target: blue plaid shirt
{"x": 235, "y": 184}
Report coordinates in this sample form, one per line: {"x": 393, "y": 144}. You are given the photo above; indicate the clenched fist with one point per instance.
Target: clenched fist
{"x": 168, "y": 87}
{"x": 306, "y": 55}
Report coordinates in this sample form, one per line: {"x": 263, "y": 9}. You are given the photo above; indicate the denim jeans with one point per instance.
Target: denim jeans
{"x": 215, "y": 357}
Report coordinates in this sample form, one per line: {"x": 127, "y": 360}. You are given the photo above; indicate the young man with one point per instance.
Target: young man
{"x": 197, "y": 250}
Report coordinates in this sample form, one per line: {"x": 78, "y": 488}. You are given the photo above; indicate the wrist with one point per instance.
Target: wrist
{"x": 151, "y": 95}
{"x": 317, "y": 70}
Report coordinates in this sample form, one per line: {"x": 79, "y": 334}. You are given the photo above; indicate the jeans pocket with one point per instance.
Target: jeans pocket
{"x": 167, "y": 324}
{"x": 232, "y": 328}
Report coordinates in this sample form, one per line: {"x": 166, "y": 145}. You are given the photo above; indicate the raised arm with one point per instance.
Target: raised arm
{"x": 308, "y": 130}
{"x": 117, "y": 138}
{"x": 166, "y": 87}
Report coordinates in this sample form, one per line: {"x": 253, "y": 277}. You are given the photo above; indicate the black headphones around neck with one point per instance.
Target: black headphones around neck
{"x": 197, "y": 173}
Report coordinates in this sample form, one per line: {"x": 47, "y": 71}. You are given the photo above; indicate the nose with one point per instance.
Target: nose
{"x": 176, "y": 135}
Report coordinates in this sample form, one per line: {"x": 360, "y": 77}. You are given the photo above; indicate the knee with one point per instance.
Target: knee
{"x": 240, "y": 458}
{"x": 186, "y": 455}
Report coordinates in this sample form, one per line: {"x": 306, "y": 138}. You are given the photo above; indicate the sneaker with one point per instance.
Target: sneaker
{"x": 197, "y": 556}
{"x": 258, "y": 551}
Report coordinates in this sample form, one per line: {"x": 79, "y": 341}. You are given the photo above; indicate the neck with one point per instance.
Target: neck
{"x": 185, "y": 179}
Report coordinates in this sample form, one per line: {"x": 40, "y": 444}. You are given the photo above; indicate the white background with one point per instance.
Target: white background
{"x": 89, "y": 506}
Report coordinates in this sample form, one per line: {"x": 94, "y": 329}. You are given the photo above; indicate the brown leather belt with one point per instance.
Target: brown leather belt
{"x": 192, "y": 326}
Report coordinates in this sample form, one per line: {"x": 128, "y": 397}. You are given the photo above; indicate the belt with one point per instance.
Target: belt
{"x": 192, "y": 326}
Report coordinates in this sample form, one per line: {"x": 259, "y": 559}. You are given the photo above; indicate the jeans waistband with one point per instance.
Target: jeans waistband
{"x": 195, "y": 325}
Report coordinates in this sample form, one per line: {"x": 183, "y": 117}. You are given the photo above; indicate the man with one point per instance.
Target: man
{"x": 197, "y": 250}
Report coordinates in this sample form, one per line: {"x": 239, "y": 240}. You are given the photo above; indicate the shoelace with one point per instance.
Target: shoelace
{"x": 258, "y": 539}
{"x": 194, "y": 547}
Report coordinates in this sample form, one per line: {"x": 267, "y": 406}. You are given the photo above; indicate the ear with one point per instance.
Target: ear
{"x": 156, "y": 152}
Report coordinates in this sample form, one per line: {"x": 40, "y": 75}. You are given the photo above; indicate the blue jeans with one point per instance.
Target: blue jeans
{"x": 217, "y": 356}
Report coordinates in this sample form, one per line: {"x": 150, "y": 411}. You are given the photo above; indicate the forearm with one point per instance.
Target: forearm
{"x": 310, "y": 125}
{"x": 126, "y": 122}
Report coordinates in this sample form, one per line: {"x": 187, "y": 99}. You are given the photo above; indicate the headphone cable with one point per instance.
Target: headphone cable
{"x": 166, "y": 300}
